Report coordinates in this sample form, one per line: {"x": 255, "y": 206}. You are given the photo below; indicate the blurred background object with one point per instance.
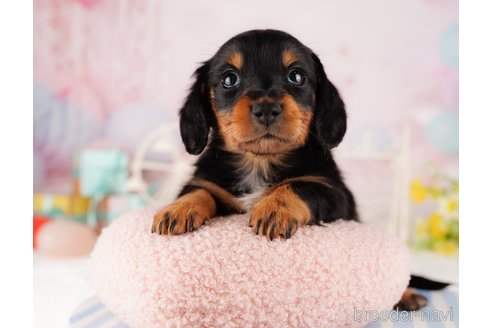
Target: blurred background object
{"x": 438, "y": 226}
{"x": 109, "y": 72}
{"x": 111, "y": 75}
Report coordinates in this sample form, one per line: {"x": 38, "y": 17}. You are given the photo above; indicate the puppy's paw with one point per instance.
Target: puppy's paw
{"x": 411, "y": 301}
{"x": 273, "y": 223}
{"x": 279, "y": 214}
{"x": 187, "y": 214}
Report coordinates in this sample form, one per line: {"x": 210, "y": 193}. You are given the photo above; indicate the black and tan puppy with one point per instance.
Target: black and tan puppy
{"x": 268, "y": 116}
{"x": 265, "y": 116}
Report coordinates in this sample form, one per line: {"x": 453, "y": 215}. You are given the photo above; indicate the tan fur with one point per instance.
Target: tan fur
{"x": 236, "y": 60}
{"x": 297, "y": 118}
{"x": 311, "y": 179}
{"x": 288, "y": 58}
{"x": 220, "y": 193}
{"x": 242, "y": 134}
{"x": 280, "y": 212}
{"x": 190, "y": 210}
{"x": 411, "y": 301}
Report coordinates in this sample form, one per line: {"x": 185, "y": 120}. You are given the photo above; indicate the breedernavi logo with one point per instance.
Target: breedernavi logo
{"x": 403, "y": 316}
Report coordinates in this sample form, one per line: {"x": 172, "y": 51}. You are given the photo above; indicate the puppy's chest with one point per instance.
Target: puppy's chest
{"x": 254, "y": 189}
{"x": 254, "y": 180}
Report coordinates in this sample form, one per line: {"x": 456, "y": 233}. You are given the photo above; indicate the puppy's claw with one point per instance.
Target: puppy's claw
{"x": 162, "y": 226}
{"x": 258, "y": 225}
{"x": 289, "y": 230}
{"x": 172, "y": 226}
{"x": 272, "y": 231}
{"x": 190, "y": 223}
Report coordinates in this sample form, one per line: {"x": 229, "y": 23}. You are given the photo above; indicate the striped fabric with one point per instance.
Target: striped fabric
{"x": 441, "y": 312}
{"x": 93, "y": 314}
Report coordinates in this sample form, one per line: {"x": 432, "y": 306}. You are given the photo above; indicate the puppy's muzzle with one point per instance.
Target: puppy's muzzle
{"x": 266, "y": 113}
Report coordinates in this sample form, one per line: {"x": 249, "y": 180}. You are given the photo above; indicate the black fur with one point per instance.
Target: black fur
{"x": 217, "y": 165}
{"x": 424, "y": 283}
{"x": 331, "y": 118}
{"x": 306, "y": 165}
{"x": 195, "y": 114}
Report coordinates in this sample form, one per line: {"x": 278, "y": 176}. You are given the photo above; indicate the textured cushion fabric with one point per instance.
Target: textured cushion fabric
{"x": 222, "y": 275}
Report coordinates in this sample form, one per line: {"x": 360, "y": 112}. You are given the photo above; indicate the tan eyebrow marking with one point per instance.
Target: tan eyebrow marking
{"x": 236, "y": 60}
{"x": 288, "y": 58}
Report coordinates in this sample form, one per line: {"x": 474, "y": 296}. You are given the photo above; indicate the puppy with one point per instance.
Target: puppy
{"x": 264, "y": 117}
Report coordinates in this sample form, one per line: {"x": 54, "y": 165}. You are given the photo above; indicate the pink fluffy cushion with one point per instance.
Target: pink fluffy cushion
{"x": 222, "y": 275}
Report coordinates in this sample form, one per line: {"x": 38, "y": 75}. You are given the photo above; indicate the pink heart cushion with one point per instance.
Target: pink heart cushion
{"x": 223, "y": 275}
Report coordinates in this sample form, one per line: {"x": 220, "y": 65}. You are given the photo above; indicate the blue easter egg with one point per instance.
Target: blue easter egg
{"x": 443, "y": 132}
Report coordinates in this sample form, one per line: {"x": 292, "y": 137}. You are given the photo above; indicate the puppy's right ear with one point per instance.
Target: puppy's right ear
{"x": 194, "y": 122}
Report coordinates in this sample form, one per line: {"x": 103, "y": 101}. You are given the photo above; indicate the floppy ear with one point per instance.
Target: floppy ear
{"x": 330, "y": 121}
{"x": 194, "y": 122}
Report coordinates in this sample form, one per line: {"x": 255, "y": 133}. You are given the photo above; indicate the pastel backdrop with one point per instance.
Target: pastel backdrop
{"x": 107, "y": 72}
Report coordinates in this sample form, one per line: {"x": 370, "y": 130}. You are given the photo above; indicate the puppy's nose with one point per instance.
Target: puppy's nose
{"x": 266, "y": 113}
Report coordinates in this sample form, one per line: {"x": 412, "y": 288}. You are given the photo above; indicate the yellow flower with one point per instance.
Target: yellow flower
{"x": 417, "y": 191}
{"x": 435, "y": 192}
{"x": 446, "y": 247}
{"x": 452, "y": 205}
{"x": 421, "y": 228}
{"x": 448, "y": 206}
{"x": 437, "y": 230}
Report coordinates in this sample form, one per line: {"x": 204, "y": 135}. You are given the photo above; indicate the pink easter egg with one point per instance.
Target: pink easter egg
{"x": 61, "y": 238}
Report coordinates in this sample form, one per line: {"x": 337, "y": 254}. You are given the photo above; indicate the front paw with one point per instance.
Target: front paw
{"x": 273, "y": 224}
{"x": 279, "y": 214}
{"x": 188, "y": 213}
{"x": 179, "y": 218}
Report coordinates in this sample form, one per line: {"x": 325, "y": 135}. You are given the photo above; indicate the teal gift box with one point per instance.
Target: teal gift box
{"x": 102, "y": 172}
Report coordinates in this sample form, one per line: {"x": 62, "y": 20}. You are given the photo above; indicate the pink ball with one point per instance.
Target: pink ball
{"x": 61, "y": 238}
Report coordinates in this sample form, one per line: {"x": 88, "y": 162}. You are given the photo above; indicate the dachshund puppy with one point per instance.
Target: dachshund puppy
{"x": 264, "y": 117}
{"x": 269, "y": 116}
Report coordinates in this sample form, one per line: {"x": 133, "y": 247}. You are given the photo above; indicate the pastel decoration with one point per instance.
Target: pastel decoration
{"x": 116, "y": 205}
{"x": 443, "y": 132}
{"x": 38, "y": 222}
{"x": 223, "y": 275}
{"x": 102, "y": 171}
{"x": 449, "y": 46}
{"x": 61, "y": 206}
{"x": 122, "y": 127}
{"x": 62, "y": 238}
{"x": 87, "y": 4}
{"x": 375, "y": 136}
{"x": 39, "y": 171}
{"x": 60, "y": 128}
{"x": 450, "y": 90}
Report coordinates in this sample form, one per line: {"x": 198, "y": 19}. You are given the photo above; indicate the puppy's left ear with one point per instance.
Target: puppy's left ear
{"x": 194, "y": 120}
{"x": 330, "y": 120}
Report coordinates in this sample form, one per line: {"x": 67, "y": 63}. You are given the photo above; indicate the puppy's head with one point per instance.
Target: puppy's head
{"x": 263, "y": 93}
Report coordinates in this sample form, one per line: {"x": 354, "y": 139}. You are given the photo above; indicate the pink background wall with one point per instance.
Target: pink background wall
{"x": 109, "y": 71}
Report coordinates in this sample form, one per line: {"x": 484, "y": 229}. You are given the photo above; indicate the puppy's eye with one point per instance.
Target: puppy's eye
{"x": 230, "y": 79}
{"x": 296, "y": 77}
